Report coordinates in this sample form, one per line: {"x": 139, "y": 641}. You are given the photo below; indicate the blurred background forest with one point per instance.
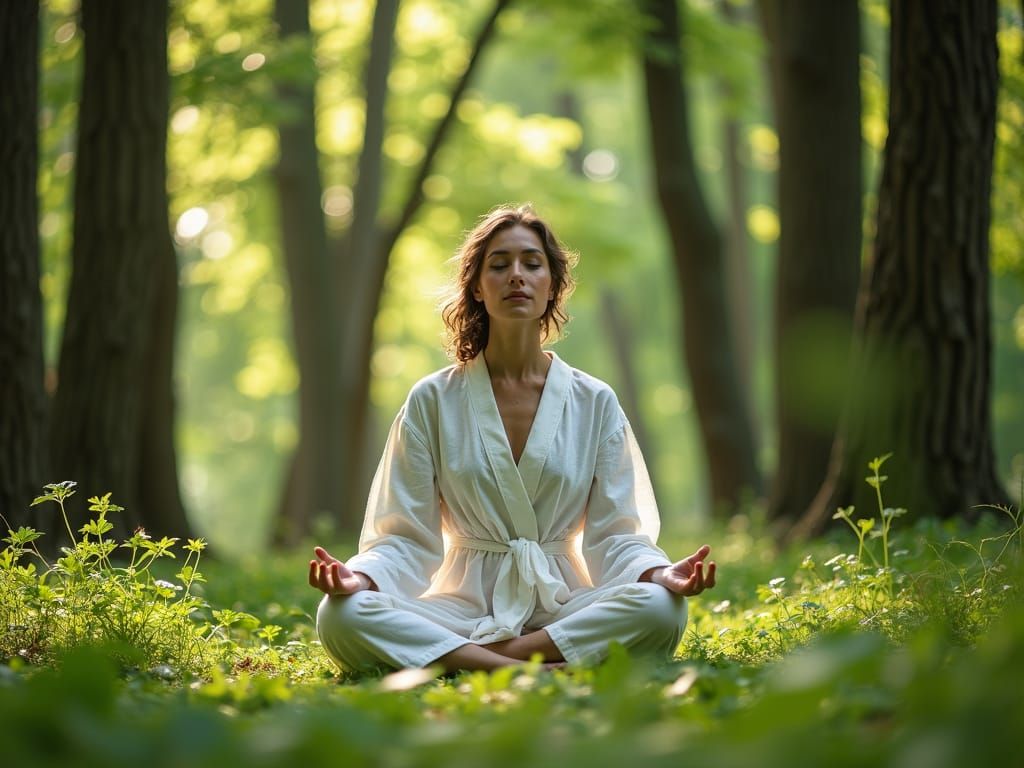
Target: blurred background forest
{"x": 312, "y": 146}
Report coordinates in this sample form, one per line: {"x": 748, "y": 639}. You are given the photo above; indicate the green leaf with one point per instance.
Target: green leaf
{"x": 876, "y": 463}
{"x": 97, "y": 527}
{"x": 56, "y": 492}
{"x": 22, "y": 536}
{"x": 843, "y": 513}
{"x": 102, "y": 504}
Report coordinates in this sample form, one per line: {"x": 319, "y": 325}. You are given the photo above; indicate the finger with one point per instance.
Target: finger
{"x": 709, "y": 581}
{"x": 698, "y": 578}
{"x": 324, "y": 555}
{"x": 321, "y": 579}
{"x": 329, "y": 579}
{"x": 700, "y": 554}
{"x": 314, "y": 574}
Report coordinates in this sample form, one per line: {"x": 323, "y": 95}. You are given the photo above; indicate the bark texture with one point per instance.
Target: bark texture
{"x": 815, "y": 49}
{"x": 22, "y": 397}
{"x": 921, "y": 379}
{"x": 697, "y": 250}
{"x": 739, "y": 278}
{"x": 111, "y": 427}
{"x": 314, "y": 481}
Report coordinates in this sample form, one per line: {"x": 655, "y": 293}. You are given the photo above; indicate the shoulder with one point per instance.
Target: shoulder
{"x": 436, "y": 385}
{"x": 584, "y": 386}
{"x": 588, "y": 393}
{"x": 428, "y": 396}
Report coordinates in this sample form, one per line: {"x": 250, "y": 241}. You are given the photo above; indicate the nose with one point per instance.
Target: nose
{"x": 515, "y": 274}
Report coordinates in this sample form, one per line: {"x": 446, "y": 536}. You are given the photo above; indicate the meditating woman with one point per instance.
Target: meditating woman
{"x": 511, "y": 513}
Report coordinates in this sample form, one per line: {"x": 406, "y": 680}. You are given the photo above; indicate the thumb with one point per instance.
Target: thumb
{"x": 325, "y": 556}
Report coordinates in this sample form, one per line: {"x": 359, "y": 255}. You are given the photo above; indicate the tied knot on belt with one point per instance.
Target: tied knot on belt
{"x": 529, "y": 559}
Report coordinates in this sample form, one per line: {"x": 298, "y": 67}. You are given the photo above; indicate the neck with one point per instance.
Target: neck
{"x": 515, "y": 355}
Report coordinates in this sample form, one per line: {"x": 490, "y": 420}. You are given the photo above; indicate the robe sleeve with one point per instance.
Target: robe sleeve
{"x": 401, "y": 545}
{"x": 622, "y": 523}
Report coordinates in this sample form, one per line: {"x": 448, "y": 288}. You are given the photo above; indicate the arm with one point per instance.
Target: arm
{"x": 401, "y": 546}
{"x": 622, "y": 517}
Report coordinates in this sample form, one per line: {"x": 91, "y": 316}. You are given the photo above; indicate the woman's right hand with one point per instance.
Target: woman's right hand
{"x": 332, "y": 577}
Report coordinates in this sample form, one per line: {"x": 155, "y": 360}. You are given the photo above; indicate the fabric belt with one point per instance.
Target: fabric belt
{"x": 522, "y": 578}
{"x": 555, "y": 547}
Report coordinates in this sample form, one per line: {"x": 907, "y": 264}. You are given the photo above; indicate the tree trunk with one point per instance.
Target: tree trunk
{"x": 697, "y": 248}
{"x": 815, "y": 51}
{"x": 107, "y": 431}
{"x": 356, "y": 275}
{"x": 922, "y": 360}
{"x": 22, "y": 397}
{"x": 344, "y": 339}
{"x": 369, "y": 254}
{"x": 620, "y": 337}
{"x": 313, "y": 486}
{"x": 739, "y": 279}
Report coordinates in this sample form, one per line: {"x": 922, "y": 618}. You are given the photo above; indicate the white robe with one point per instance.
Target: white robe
{"x": 485, "y": 547}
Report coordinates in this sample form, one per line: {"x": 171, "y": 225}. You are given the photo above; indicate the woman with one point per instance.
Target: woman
{"x": 511, "y": 513}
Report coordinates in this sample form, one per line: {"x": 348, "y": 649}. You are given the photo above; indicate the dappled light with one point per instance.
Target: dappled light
{"x": 763, "y": 223}
{"x": 191, "y": 223}
{"x": 229, "y": 230}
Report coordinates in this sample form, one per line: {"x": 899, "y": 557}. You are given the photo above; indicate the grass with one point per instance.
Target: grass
{"x": 889, "y": 645}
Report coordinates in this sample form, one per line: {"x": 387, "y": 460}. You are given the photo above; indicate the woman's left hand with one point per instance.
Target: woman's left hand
{"x": 688, "y": 577}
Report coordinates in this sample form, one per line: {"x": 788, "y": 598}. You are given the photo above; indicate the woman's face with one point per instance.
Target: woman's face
{"x": 515, "y": 277}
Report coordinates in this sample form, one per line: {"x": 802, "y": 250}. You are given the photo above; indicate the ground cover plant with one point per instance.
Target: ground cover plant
{"x": 878, "y": 645}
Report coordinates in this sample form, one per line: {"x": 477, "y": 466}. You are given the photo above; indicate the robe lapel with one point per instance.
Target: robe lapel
{"x": 545, "y": 426}
{"x": 492, "y": 433}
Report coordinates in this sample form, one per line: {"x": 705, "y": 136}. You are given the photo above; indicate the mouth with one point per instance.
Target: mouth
{"x": 516, "y": 295}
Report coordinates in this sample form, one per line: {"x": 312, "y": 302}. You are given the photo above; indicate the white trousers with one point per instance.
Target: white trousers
{"x": 370, "y": 630}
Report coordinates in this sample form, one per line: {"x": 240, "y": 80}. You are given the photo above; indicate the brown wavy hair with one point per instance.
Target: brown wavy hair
{"x": 466, "y": 321}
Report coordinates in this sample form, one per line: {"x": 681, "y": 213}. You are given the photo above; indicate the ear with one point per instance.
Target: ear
{"x": 477, "y": 293}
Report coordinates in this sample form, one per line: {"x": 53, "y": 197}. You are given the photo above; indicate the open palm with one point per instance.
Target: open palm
{"x": 332, "y": 577}
{"x": 690, "y": 576}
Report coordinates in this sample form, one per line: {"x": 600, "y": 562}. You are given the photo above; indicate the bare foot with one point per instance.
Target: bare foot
{"x": 525, "y": 646}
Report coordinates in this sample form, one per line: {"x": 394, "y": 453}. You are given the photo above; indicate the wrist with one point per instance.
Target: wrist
{"x": 654, "y": 575}
{"x": 365, "y": 582}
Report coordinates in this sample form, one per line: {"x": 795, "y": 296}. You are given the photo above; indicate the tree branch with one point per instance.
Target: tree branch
{"x": 415, "y": 196}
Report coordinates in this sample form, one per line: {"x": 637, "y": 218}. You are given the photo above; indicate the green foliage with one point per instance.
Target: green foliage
{"x": 86, "y": 597}
{"x": 129, "y": 598}
{"x": 850, "y": 662}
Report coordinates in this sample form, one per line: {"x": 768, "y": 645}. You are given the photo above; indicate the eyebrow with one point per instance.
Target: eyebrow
{"x": 507, "y": 251}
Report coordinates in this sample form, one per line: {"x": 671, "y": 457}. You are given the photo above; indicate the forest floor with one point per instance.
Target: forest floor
{"x": 884, "y": 644}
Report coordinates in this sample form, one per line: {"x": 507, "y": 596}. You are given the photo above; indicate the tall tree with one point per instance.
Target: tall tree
{"x": 357, "y": 282}
{"x": 313, "y": 486}
{"x": 112, "y": 418}
{"x": 921, "y": 377}
{"x": 814, "y": 54}
{"x": 697, "y": 250}
{"x": 739, "y": 292}
{"x": 22, "y": 399}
